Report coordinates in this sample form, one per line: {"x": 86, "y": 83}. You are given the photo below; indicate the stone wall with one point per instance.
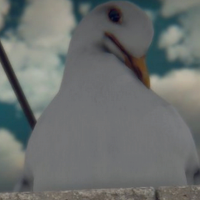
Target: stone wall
{"x": 162, "y": 193}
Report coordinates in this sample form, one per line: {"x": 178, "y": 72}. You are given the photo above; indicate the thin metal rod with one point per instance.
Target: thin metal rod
{"x": 16, "y": 87}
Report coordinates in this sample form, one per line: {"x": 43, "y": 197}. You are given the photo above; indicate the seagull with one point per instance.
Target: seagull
{"x": 106, "y": 128}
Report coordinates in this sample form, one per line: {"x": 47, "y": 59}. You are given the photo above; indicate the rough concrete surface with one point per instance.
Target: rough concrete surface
{"x": 100, "y": 194}
{"x": 178, "y": 193}
{"x": 148, "y": 193}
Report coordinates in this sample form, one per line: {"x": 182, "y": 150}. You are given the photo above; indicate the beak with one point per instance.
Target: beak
{"x": 138, "y": 65}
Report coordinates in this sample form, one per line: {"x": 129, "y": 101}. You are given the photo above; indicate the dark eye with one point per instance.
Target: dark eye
{"x": 114, "y": 15}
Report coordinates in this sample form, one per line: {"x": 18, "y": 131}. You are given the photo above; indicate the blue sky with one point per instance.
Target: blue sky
{"x": 36, "y": 35}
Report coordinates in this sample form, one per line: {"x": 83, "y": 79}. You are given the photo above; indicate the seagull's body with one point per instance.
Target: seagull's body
{"x": 106, "y": 129}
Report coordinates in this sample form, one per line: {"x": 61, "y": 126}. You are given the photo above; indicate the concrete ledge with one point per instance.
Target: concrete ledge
{"x": 162, "y": 193}
{"x": 178, "y": 193}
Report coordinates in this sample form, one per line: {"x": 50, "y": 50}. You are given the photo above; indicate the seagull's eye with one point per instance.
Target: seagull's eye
{"x": 114, "y": 15}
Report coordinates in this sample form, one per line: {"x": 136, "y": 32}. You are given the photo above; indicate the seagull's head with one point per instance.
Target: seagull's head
{"x": 120, "y": 28}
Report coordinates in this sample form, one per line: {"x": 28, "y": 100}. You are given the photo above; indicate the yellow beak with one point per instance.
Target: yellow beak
{"x": 138, "y": 65}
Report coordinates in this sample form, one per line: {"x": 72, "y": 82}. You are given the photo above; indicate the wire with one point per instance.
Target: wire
{"x": 16, "y": 87}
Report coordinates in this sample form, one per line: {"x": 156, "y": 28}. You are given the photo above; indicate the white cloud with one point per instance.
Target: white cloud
{"x": 191, "y": 24}
{"x": 173, "y": 41}
{"x": 182, "y": 43}
{"x": 181, "y": 88}
{"x": 39, "y": 72}
{"x": 84, "y": 8}
{"x": 4, "y": 8}
{"x": 151, "y": 14}
{"x": 172, "y": 7}
{"x": 171, "y": 36}
{"x": 11, "y": 162}
{"x": 45, "y": 32}
{"x": 48, "y": 24}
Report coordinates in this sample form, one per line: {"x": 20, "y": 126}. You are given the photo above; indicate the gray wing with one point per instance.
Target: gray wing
{"x": 23, "y": 185}
{"x": 193, "y": 163}
{"x": 25, "y": 182}
{"x": 197, "y": 178}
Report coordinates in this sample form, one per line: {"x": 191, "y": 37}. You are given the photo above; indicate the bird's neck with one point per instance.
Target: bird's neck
{"x": 94, "y": 67}
{"x": 80, "y": 45}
